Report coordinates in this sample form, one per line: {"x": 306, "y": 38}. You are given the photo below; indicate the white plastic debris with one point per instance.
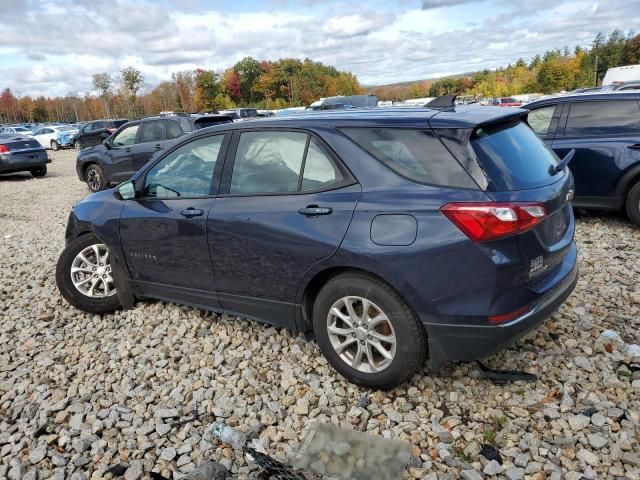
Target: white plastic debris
{"x": 612, "y": 335}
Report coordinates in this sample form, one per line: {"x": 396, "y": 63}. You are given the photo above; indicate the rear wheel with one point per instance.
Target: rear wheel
{"x": 367, "y": 332}
{"x": 84, "y": 275}
{"x": 94, "y": 176}
{"x": 39, "y": 171}
{"x": 633, "y": 204}
{"x": 55, "y": 145}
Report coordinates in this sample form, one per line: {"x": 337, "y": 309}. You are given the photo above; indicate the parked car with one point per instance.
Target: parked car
{"x": 21, "y": 153}
{"x": 94, "y": 133}
{"x": 507, "y": 102}
{"x": 604, "y": 131}
{"x": 390, "y": 234}
{"x": 17, "y": 130}
{"x": 133, "y": 144}
{"x": 241, "y": 114}
{"x": 55, "y": 137}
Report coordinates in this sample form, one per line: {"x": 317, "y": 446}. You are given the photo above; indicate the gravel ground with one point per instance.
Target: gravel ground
{"x": 80, "y": 394}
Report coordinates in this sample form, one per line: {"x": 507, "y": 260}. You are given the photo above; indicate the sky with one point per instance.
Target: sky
{"x": 52, "y": 48}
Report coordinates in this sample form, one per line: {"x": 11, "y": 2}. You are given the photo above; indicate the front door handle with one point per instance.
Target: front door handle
{"x": 634, "y": 147}
{"x": 128, "y": 149}
{"x": 191, "y": 212}
{"x": 314, "y": 211}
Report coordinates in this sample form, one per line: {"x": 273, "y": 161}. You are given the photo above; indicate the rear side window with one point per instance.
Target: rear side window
{"x": 603, "y": 118}
{"x": 173, "y": 129}
{"x": 513, "y": 156}
{"x": 152, "y": 132}
{"x": 540, "y": 119}
{"x": 416, "y": 154}
{"x": 278, "y": 162}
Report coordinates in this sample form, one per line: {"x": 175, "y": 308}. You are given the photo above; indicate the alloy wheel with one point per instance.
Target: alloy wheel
{"x": 91, "y": 272}
{"x": 94, "y": 180}
{"x": 361, "y": 334}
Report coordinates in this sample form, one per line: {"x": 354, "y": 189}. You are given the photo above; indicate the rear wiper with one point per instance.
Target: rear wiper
{"x": 563, "y": 163}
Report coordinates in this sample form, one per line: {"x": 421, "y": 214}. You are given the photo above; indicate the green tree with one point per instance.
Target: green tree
{"x": 132, "y": 81}
{"x": 103, "y": 83}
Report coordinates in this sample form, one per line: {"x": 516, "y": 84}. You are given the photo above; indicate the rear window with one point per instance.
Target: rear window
{"x": 513, "y": 156}
{"x": 416, "y": 154}
{"x": 603, "y": 118}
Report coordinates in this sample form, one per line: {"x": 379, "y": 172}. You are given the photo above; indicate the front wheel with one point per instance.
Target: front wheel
{"x": 84, "y": 276}
{"x": 55, "y": 146}
{"x": 633, "y": 204}
{"x": 94, "y": 177}
{"x": 39, "y": 171}
{"x": 367, "y": 332}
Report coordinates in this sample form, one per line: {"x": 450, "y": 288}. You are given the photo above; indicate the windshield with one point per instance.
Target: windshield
{"x": 513, "y": 156}
{"x": 64, "y": 129}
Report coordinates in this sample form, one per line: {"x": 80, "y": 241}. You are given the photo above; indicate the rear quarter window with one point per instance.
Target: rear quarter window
{"x": 603, "y": 118}
{"x": 415, "y": 154}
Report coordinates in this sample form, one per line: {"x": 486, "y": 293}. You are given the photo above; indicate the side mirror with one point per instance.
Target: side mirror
{"x": 127, "y": 191}
{"x": 106, "y": 143}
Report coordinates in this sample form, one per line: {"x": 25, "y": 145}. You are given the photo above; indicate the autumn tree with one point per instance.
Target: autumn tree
{"x": 103, "y": 83}
{"x": 132, "y": 81}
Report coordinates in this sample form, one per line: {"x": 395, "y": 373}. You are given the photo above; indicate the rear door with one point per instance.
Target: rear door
{"x": 150, "y": 140}
{"x": 286, "y": 203}
{"x": 606, "y": 136}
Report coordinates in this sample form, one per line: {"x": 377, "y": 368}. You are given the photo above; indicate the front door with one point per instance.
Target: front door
{"x": 121, "y": 166}
{"x": 287, "y": 206}
{"x": 163, "y": 232}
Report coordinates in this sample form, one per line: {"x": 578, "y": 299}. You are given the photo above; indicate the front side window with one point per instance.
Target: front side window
{"x": 185, "y": 172}
{"x": 603, "y": 118}
{"x": 416, "y": 154}
{"x": 152, "y": 132}
{"x": 126, "y": 136}
{"x": 540, "y": 119}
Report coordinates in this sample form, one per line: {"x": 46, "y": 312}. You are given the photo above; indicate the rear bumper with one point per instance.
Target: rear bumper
{"x": 23, "y": 161}
{"x": 449, "y": 342}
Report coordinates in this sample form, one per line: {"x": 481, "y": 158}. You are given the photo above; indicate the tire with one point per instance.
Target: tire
{"x": 633, "y": 204}
{"x": 94, "y": 176}
{"x": 55, "y": 146}
{"x": 102, "y": 299}
{"x": 39, "y": 171}
{"x": 410, "y": 351}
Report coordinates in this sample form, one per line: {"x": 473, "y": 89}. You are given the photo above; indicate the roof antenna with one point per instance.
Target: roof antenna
{"x": 443, "y": 101}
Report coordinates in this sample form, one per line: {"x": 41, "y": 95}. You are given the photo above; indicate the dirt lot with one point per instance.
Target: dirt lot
{"x": 80, "y": 394}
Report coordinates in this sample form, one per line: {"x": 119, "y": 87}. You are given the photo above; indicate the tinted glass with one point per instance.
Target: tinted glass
{"x": 416, "y": 154}
{"x": 540, "y": 119}
{"x": 173, "y": 129}
{"x": 513, "y": 156}
{"x": 126, "y": 136}
{"x": 603, "y": 118}
{"x": 268, "y": 162}
{"x": 152, "y": 132}
{"x": 319, "y": 170}
{"x": 185, "y": 172}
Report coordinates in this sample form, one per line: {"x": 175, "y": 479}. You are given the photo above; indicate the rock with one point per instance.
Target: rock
{"x": 38, "y": 454}
{"x": 168, "y": 454}
{"x": 578, "y": 422}
{"x": 630, "y": 458}
{"x": 301, "y": 407}
{"x": 598, "y": 419}
{"x": 583, "y": 363}
{"x": 596, "y": 440}
{"x": 471, "y": 475}
{"x": 588, "y": 457}
{"x": 492, "y": 468}
{"x": 521, "y": 460}
{"x": 135, "y": 470}
{"x": 515, "y": 473}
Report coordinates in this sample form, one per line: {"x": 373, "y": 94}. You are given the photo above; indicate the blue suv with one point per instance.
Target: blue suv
{"x": 604, "y": 131}
{"x": 392, "y": 235}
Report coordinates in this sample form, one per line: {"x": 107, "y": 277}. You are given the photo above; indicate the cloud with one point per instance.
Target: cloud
{"x": 429, "y": 4}
{"x": 53, "y": 48}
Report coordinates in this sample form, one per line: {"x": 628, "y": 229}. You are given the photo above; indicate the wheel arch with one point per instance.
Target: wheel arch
{"x": 626, "y": 183}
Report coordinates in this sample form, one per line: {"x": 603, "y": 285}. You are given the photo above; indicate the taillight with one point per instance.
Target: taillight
{"x": 505, "y": 317}
{"x": 4, "y": 149}
{"x": 481, "y": 221}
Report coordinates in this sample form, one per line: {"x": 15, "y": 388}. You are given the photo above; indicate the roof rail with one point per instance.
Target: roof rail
{"x": 443, "y": 101}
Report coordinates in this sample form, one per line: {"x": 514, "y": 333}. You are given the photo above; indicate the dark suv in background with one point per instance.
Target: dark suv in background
{"x": 394, "y": 235}
{"x": 604, "y": 130}
{"x": 94, "y": 133}
{"x": 116, "y": 158}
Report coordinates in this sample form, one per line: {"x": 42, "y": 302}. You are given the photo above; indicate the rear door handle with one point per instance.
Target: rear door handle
{"x": 314, "y": 211}
{"x": 191, "y": 212}
{"x": 634, "y": 147}
{"x": 158, "y": 146}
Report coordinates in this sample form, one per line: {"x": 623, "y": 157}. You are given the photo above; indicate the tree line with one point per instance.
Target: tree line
{"x": 261, "y": 84}
{"x": 291, "y": 82}
{"x": 552, "y": 71}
